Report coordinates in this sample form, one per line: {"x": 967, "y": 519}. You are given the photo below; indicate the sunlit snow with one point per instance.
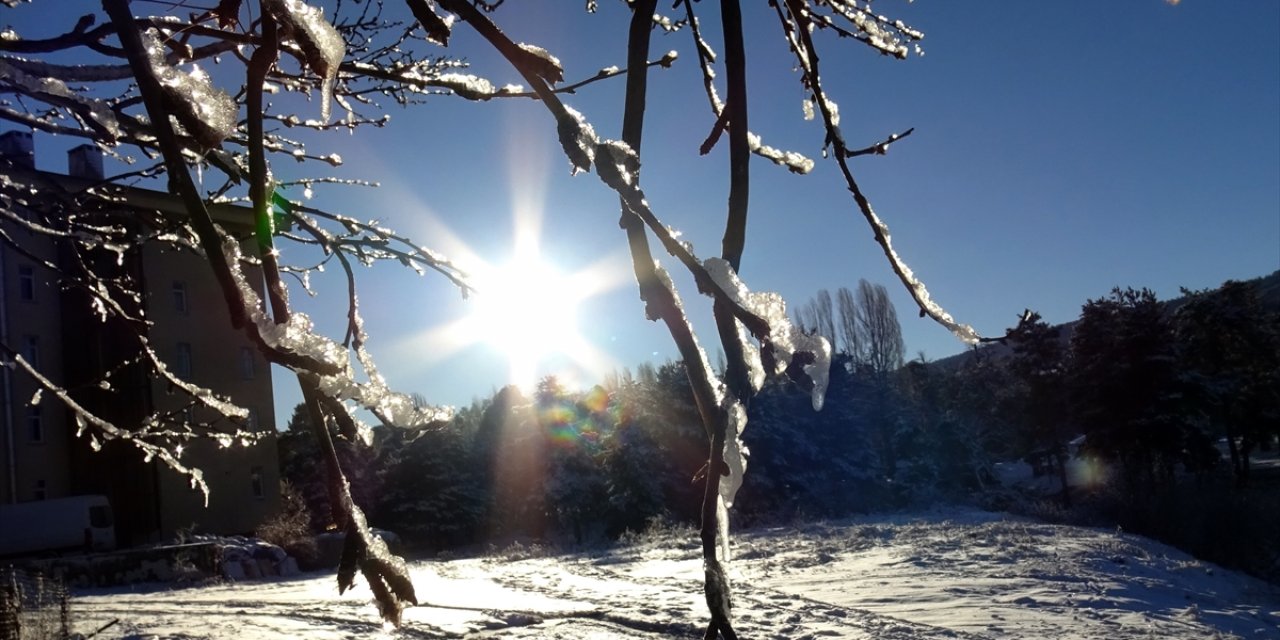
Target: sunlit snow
{"x": 952, "y": 574}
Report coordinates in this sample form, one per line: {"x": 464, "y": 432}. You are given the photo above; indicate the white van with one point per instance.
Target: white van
{"x": 78, "y": 522}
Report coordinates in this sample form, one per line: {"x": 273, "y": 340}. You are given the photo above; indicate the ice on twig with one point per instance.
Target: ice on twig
{"x": 617, "y": 156}
{"x": 466, "y": 85}
{"x": 794, "y": 161}
{"x": 964, "y": 332}
{"x": 578, "y": 139}
{"x": 297, "y": 335}
{"x": 784, "y": 339}
{"x": 546, "y": 66}
{"x": 57, "y": 91}
{"x": 206, "y": 112}
{"x": 322, "y": 45}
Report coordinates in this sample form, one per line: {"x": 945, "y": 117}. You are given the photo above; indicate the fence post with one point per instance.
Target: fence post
{"x": 64, "y": 610}
{"x": 10, "y": 606}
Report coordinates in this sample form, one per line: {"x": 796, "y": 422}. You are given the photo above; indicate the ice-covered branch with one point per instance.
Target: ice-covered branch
{"x": 889, "y": 37}
{"x": 880, "y": 148}
{"x": 372, "y": 241}
{"x": 210, "y": 238}
{"x": 794, "y": 18}
{"x": 792, "y": 160}
{"x": 108, "y": 430}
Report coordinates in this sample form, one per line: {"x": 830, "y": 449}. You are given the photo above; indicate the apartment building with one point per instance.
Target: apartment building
{"x": 56, "y": 327}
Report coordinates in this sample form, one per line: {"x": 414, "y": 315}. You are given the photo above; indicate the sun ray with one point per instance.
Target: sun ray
{"x": 525, "y": 306}
{"x": 603, "y": 275}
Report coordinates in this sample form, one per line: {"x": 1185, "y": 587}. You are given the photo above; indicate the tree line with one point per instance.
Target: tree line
{"x": 1143, "y": 389}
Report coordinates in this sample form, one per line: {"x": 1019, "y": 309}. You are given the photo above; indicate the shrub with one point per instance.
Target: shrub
{"x": 290, "y": 528}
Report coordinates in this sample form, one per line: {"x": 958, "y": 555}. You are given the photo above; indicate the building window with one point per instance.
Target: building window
{"x": 247, "y": 365}
{"x": 31, "y": 350}
{"x": 40, "y": 492}
{"x": 255, "y": 482}
{"x": 180, "y": 297}
{"x": 251, "y": 420}
{"x": 182, "y": 361}
{"x": 35, "y": 424}
{"x": 26, "y": 283}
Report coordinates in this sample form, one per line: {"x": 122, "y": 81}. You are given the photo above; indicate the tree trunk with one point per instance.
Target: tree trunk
{"x": 1060, "y": 460}
{"x": 1237, "y": 469}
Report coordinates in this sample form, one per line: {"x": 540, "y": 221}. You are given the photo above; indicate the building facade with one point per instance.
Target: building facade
{"x": 56, "y": 327}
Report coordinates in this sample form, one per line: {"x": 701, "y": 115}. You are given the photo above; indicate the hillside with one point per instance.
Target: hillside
{"x": 1268, "y": 293}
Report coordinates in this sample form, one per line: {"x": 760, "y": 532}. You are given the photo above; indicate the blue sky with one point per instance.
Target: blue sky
{"x": 1060, "y": 149}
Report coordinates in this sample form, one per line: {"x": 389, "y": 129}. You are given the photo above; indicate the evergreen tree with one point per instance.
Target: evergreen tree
{"x": 298, "y": 451}
{"x": 940, "y": 455}
{"x": 1038, "y": 366}
{"x": 1125, "y": 385}
{"x": 634, "y": 469}
{"x": 572, "y": 427}
{"x": 1230, "y": 347}
{"x": 433, "y": 497}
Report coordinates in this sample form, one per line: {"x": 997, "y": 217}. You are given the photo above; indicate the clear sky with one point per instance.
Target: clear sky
{"x": 1061, "y": 149}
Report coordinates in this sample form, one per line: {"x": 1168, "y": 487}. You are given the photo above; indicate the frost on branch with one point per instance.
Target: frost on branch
{"x": 297, "y": 335}
{"x": 964, "y": 332}
{"x": 794, "y": 161}
{"x": 385, "y": 572}
{"x": 664, "y": 279}
{"x": 436, "y": 27}
{"x": 321, "y": 44}
{"x": 619, "y": 162}
{"x": 578, "y": 139}
{"x": 785, "y": 343}
{"x": 543, "y": 64}
{"x": 878, "y": 31}
{"x": 889, "y": 37}
{"x": 54, "y": 91}
{"x": 465, "y": 85}
{"x": 107, "y": 430}
{"x": 207, "y": 113}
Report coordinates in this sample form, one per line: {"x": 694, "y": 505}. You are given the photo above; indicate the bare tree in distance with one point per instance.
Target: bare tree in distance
{"x": 823, "y": 315}
{"x": 850, "y": 335}
{"x": 142, "y": 98}
{"x": 879, "y": 332}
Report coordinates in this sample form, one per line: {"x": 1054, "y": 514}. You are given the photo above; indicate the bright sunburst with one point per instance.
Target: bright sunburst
{"x": 527, "y": 309}
{"x": 525, "y": 305}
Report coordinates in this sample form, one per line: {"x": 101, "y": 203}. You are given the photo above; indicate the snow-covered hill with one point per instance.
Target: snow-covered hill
{"x": 950, "y": 574}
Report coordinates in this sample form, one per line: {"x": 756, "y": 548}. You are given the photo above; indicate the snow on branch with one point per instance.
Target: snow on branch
{"x": 796, "y": 21}
{"x": 297, "y": 335}
{"x": 54, "y": 91}
{"x": 106, "y": 429}
{"x": 322, "y": 46}
{"x": 793, "y": 161}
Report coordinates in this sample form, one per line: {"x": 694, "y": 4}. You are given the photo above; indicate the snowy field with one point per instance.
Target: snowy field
{"x": 951, "y": 574}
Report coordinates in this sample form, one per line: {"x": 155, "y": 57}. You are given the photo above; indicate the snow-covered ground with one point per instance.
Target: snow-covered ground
{"x": 949, "y": 574}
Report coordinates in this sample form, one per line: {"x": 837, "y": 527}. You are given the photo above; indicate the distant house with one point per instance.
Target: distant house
{"x": 57, "y": 328}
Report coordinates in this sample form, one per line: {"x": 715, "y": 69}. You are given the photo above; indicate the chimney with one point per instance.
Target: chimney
{"x": 85, "y": 161}
{"x": 17, "y": 148}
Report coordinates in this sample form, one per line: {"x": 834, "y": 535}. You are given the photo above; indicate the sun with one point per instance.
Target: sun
{"x": 527, "y": 309}
{"x": 525, "y": 305}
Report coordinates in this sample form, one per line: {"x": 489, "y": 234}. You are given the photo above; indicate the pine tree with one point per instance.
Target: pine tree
{"x": 1126, "y": 389}
{"x": 1230, "y": 348}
